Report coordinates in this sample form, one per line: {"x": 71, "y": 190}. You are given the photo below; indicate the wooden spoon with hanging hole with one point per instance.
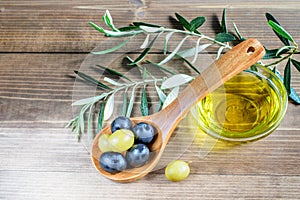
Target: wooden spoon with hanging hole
{"x": 240, "y": 57}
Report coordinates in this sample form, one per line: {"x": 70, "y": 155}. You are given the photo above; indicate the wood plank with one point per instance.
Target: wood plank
{"x": 56, "y": 150}
{"x": 69, "y": 185}
{"x": 63, "y": 27}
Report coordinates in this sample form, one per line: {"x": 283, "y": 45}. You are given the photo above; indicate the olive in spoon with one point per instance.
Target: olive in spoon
{"x": 165, "y": 121}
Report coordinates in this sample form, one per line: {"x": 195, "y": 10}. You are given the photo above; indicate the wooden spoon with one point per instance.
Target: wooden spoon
{"x": 234, "y": 61}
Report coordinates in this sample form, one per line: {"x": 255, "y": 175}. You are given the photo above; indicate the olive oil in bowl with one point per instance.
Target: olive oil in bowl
{"x": 247, "y": 107}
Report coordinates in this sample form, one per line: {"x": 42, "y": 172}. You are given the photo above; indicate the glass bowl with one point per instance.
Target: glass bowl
{"x": 248, "y": 107}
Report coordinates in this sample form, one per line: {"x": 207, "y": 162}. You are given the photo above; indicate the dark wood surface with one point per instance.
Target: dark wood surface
{"x": 43, "y": 42}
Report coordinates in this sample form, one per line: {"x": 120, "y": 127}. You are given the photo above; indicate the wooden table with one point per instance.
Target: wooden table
{"x": 43, "y": 42}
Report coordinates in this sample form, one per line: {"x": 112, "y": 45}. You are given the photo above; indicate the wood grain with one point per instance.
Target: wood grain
{"x": 42, "y": 42}
{"x": 40, "y": 26}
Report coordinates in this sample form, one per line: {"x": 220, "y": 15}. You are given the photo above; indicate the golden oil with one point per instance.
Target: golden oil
{"x": 248, "y": 106}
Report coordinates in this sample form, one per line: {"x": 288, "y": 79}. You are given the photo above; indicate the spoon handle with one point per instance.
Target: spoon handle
{"x": 231, "y": 63}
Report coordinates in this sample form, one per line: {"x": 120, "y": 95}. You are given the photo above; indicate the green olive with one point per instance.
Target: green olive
{"x": 177, "y": 170}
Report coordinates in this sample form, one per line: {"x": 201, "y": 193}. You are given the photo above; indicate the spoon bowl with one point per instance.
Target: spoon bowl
{"x": 165, "y": 121}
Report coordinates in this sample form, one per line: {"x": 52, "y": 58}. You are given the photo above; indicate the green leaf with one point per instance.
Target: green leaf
{"x": 98, "y": 28}
{"x": 124, "y": 105}
{"x": 109, "y": 21}
{"x": 293, "y": 95}
{"x": 113, "y": 82}
{"x": 146, "y": 42}
{"x": 283, "y": 50}
{"x": 144, "y": 103}
{"x": 296, "y": 64}
{"x": 171, "y": 97}
{"x": 128, "y": 28}
{"x": 151, "y": 29}
{"x": 144, "y": 73}
{"x": 270, "y": 54}
{"x": 101, "y": 115}
{"x": 196, "y": 23}
{"x": 161, "y": 67}
{"x": 238, "y": 32}
{"x": 183, "y": 22}
{"x": 287, "y": 76}
{"x": 89, "y": 100}
{"x": 160, "y": 94}
{"x": 121, "y": 44}
{"x": 138, "y": 24}
{"x": 167, "y": 38}
{"x": 176, "y": 80}
{"x": 220, "y": 50}
{"x": 109, "y": 107}
{"x": 89, "y": 119}
{"x": 145, "y": 52}
{"x": 224, "y": 37}
{"x": 190, "y": 64}
{"x": 223, "y": 23}
{"x": 270, "y": 17}
{"x": 131, "y": 102}
{"x": 280, "y": 30}
{"x": 92, "y": 80}
{"x": 114, "y": 72}
{"x": 191, "y": 52}
{"x": 170, "y": 56}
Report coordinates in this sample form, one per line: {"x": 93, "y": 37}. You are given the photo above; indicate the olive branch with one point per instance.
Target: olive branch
{"x": 167, "y": 88}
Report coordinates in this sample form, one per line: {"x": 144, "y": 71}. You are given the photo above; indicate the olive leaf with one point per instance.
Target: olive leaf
{"x": 167, "y": 38}
{"x": 189, "y": 64}
{"x": 90, "y": 113}
{"x": 162, "y": 96}
{"x": 138, "y": 24}
{"x": 109, "y": 21}
{"x": 171, "y": 97}
{"x": 124, "y": 105}
{"x": 270, "y": 17}
{"x": 293, "y": 95}
{"x": 101, "y": 115}
{"x": 196, "y": 23}
{"x": 128, "y": 28}
{"x": 296, "y": 64}
{"x": 283, "y": 50}
{"x": 220, "y": 50}
{"x": 176, "y": 80}
{"x": 121, "y": 44}
{"x": 240, "y": 37}
{"x": 146, "y": 42}
{"x": 89, "y": 100}
{"x": 171, "y": 55}
{"x": 149, "y": 29}
{"x": 191, "y": 52}
{"x": 113, "y": 82}
{"x": 183, "y": 22}
{"x": 270, "y": 54}
{"x": 109, "y": 107}
{"x": 98, "y": 28}
{"x": 144, "y": 103}
{"x": 92, "y": 80}
{"x": 224, "y": 37}
{"x": 223, "y": 23}
{"x": 287, "y": 76}
{"x": 145, "y": 52}
{"x": 161, "y": 67}
{"x": 281, "y": 31}
{"x": 114, "y": 72}
{"x": 131, "y": 102}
